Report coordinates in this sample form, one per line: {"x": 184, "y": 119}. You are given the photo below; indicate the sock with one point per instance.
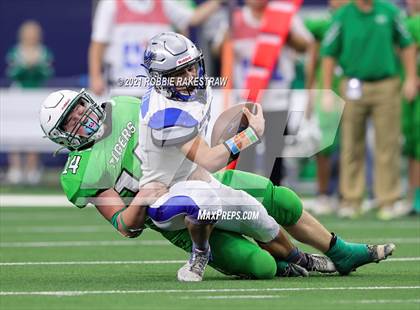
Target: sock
{"x": 338, "y": 248}
{"x": 203, "y": 248}
{"x": 347, "y": 256}
{"x": 281, "y": 268}
{"x": 297, "y": 257}
{"x": 333, "y": 240}
{"x": 416, "y": 200}
{"x": 205, "y": 251}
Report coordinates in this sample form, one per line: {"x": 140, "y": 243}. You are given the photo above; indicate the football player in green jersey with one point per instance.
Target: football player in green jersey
{"x": 103, "y": 169}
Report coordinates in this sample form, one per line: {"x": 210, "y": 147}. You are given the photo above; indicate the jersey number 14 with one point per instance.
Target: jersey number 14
{"x": 73, "y": 165}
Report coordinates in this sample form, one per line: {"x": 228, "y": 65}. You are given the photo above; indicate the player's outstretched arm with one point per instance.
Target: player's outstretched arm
{"x": 217, "y": 157}
{"x": 129, "y": 221}
{"x": 210, "y": 158}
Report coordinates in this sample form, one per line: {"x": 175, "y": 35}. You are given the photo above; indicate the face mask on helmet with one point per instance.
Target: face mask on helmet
{"x": 82, "y": 122}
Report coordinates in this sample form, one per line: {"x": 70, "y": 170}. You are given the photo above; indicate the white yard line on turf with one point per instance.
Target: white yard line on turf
{"x": 234, "y": 297}
{"x": 372, "y": 225}
{"x": 149, "y": 262}
{"x": 33, "y": 201}
{"x": 397, "y": 240}
{"x": 49, "y": 244}
{"x": 58, "y": 229}
{"x": 379, "y": 301}
{"x": 402, "y": 259}
{"x": 362, "y": 301}
{"x": 222, "y": 290}
{"x": 132, "y": 262}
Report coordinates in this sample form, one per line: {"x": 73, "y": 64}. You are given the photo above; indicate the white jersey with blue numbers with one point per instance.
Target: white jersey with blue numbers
{"x": 165, "y": 125}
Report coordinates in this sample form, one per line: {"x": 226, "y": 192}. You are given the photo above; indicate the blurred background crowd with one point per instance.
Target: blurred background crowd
{"x": 366, "y": 51}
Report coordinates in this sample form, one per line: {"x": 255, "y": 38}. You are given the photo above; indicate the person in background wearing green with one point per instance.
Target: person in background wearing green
{"x": 28, "y": 66}
{"x": 411, "y": 114}
{"x": 327, "y": 120}
{"x": 362, "y": 39}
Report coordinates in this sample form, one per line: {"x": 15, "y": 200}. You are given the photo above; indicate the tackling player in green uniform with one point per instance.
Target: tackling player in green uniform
{"x": 103, "y": 168}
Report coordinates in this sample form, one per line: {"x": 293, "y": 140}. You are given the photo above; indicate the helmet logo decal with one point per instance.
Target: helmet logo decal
{"x": 148, "y": 57}
{"x": 65, "y": 105}
{"x": 184, "y": 60}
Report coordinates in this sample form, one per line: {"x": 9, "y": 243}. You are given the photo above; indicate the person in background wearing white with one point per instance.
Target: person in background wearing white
{"x": 242, "y": 36}
{"x": 121, "y": 28}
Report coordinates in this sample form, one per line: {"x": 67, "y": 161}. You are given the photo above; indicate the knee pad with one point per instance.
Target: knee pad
{"x": 262, "y": 265}
{"x": 287, "y": 206}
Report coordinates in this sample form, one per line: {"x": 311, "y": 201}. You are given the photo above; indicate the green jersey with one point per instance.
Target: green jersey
{"x": 29, "y": 76}
{"x": 111, "y": 162}
{"x": 364, "y": 42}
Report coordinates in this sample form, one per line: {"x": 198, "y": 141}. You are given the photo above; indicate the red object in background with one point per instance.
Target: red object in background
{"x": 272, "y": 36}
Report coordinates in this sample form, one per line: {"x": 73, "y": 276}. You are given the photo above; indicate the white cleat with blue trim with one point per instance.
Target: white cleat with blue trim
{"x": 193, "y": 270}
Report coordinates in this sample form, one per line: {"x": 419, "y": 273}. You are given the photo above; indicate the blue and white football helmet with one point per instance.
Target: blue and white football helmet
{"x": 167, "y": 55}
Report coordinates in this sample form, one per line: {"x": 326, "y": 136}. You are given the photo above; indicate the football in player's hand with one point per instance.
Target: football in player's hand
{"x": 231, "y": 122}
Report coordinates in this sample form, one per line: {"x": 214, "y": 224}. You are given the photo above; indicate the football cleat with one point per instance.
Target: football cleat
{"x": 381, "y": 251}
{"x": 292, "y": 270}
{"x": 193, "y": 270}
{"x": 320, "y": 263}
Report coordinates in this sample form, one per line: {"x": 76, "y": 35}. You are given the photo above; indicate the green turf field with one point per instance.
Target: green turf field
{"x": 65, "y": 258}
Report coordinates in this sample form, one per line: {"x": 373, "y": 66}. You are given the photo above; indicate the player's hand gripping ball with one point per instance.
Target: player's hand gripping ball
{"x": 231, "y": 122}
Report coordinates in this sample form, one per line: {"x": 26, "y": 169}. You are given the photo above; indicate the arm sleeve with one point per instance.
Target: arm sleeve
{"x": 172, "y": 126}
{"x": 402, "y": 36}
{"x": 103, "y": 21}
{"x": 331, "y": 44}
{"x": 179, "y": 13}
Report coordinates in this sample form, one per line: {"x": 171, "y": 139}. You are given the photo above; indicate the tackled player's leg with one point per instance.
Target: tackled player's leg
{"x": 179, "y": 209}
{"x": 286, "y": 208}
{"x": 289, "y": 260}
{"x": 233, "y": 254}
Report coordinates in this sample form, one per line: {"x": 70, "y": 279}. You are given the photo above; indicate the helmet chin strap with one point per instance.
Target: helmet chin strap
{"x": 59, "y": 150}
